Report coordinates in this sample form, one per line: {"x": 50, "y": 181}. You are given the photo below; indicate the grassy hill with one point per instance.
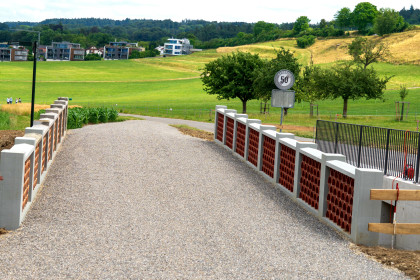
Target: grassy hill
{"x": 171, "y": 86}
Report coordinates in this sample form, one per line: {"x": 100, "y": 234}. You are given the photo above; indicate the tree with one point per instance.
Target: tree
{"x": 349, "y": 82}
{"x": 306, "y": 89}
{"x": 343, "y": 18}
{"x": 389, "y": 21}
{"x": 403, "y": 94}
{"x": 301, "y": 24}
{"x": 363, "y": 16}
{"x": 231, "y": 76}
{"x": 366, "y": 51}
{"x": 264, "y": 76}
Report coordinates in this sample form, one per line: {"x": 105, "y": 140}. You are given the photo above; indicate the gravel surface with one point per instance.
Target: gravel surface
{"x": 200, "y": 125}
{"x": 139, "y": 200}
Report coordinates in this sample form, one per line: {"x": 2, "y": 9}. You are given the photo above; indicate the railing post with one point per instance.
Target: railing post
{"x": 360, "y": 146}
{"x": 418, "y": 160}
{"x": 336, "y": 137}
{"x": 386, "y": 151}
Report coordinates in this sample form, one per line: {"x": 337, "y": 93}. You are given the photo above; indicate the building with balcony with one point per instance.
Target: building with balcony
{"x": 177, "y": 47}
{"x": 13, "y": 52}
{"x": 120, "y": 50}
{"x": 65, "y": 51}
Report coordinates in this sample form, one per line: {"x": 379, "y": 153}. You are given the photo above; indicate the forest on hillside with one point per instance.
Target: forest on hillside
{"x": 202, "y": 34}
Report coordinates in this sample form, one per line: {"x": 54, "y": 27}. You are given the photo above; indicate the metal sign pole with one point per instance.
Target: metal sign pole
{"x": 33, "y": 84}
{"x": 281, "y": 118}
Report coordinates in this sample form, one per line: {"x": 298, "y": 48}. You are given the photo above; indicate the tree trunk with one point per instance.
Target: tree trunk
{"x": 345, "y": 108}
{"x": 402, "y": 111}
{"x": 311, "y": 110}
{"x": 265, "y": 107}
{"x": 285, "y": 111}
{"x": 243, "y": 106}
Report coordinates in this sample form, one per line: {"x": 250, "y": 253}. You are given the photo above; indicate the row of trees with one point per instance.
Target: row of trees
{"x": 366, "y": 18}
{"x": 206, "y": 34}
{"x": 246, "y": 76}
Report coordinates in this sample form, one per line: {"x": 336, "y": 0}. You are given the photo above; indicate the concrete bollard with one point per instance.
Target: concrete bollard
{"x": 17, "y": 168}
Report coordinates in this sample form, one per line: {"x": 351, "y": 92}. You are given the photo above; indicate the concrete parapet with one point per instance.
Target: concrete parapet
{"x": 24, "y": 166}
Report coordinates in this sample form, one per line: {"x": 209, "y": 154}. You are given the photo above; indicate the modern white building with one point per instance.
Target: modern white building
{"x": 177, "y": 47}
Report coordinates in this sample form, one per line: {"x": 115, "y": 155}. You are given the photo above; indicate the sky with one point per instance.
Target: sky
{"x": 213, "y": 10}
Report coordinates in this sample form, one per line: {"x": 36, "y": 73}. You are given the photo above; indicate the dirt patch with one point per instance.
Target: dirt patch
{"x": 3, "y": 231}
{"x": 7, "y": 138}
{"x": 194, "y": 132}
{"x": 406, "y": 261}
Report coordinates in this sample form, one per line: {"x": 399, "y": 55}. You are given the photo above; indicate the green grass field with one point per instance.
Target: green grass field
{"x": 171, "y": 87}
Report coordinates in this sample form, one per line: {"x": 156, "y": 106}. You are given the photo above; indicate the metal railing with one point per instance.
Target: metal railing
{"x": 395, "y": 152}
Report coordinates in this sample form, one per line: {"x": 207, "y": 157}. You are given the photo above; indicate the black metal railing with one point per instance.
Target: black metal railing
{"x": 395, "y": 152}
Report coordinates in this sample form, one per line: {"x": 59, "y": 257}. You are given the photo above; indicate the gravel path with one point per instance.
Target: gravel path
{"x": 146, "y": 202}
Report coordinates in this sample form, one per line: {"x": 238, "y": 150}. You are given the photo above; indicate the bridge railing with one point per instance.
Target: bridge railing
{"x": 25, "y": 165}
{"x": 323, "y": 183}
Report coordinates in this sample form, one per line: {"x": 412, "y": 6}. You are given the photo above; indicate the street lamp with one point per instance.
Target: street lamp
{"x": 34, "y": 49}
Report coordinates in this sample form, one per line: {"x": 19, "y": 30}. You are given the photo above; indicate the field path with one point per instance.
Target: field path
{"x": 140, "y": 200}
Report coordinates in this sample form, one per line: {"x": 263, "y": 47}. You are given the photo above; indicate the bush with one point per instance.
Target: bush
{"x": 305, "y": 41}
{"x": 92, "y": 56}
{"x": 77, "y": 117}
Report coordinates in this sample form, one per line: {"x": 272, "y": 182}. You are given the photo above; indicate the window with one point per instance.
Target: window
{"x": 177, "y": 47}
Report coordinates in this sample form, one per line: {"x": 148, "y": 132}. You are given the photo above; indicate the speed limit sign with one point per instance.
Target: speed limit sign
{"x": 284, "y": 79}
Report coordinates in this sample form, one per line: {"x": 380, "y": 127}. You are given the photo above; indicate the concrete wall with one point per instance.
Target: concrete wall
{"x": 337, "y": 193}
{"x": 26, "y": 164}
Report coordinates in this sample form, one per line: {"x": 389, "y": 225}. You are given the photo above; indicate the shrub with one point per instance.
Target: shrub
{"x": 77, "y": 117}
{"x": 305, "y": 41}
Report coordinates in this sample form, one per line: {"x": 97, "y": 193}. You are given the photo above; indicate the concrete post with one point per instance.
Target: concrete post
{"x": 12, "y": 192}
{"x": 365, "y": 211}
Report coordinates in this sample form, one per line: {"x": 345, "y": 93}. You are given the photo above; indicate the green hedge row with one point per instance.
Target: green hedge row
{"x": 77, "y": 117}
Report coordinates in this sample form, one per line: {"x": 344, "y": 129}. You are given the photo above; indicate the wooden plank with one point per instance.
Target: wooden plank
{"x": 400, "y": 228}
{"x": 379, "y": 194}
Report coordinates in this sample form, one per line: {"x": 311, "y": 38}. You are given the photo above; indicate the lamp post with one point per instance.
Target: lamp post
{"x": 34, "y": 49}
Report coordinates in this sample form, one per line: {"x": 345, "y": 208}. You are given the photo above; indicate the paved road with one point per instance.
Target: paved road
{"x": 139, "y": 200}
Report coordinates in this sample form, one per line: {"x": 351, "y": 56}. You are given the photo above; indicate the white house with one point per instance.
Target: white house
{"x": 177, "y": 47}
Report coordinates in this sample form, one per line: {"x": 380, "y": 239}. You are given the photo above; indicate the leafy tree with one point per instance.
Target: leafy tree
{"x": 348, "y": 82}
{"x": 231, "y": 76}
{"x": 343, "y": 18}
{"x": 363, "y": 16}
{"x": 366, "y": 51}
{"x": 403, "y": 94}
{"x": 263, "y": 26}
{"x": 389, "y": 21}
{"x": 301, "y": 24}
{"x": 264, "y": 76}
{"x": 306, "y": 89}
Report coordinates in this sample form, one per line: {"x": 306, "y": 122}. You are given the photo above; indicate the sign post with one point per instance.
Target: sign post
{"x": 283, "y": 97}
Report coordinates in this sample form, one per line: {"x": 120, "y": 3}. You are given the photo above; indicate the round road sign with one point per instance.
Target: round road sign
{"x": 284, "y": 79}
